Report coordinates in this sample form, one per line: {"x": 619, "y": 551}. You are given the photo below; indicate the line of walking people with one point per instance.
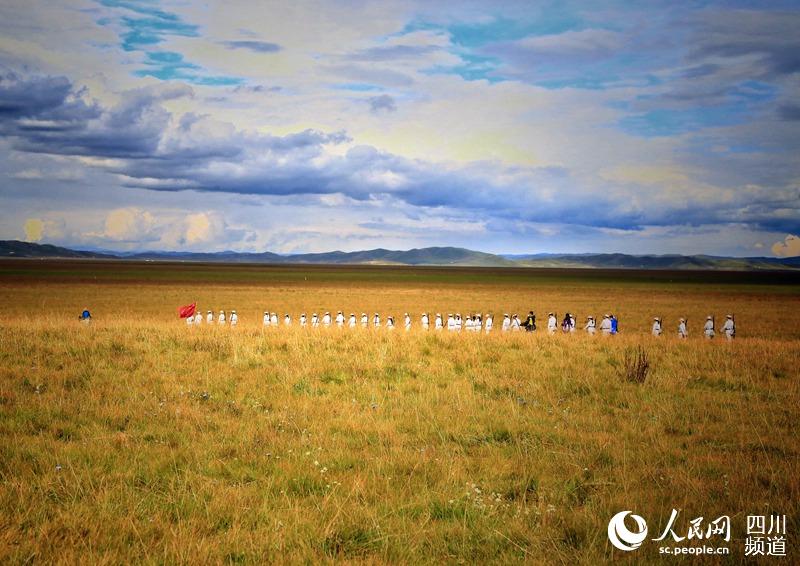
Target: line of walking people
{"x": 608, "y": 325}
{"x": 709, "y": 328}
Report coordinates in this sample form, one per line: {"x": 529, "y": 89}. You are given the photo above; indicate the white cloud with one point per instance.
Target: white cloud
{"x": 46, "y": 230}
{"x": 789, "y": 247}
{"x": 34, "y": 229}
{"x": 588, "y": 41}
{"x": 127, "y": 225}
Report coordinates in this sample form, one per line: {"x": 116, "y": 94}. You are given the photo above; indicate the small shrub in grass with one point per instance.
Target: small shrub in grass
{"x": 636, "y": 365}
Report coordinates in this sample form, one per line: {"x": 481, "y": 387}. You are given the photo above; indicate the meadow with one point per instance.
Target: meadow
{"x": 136, "y": 439}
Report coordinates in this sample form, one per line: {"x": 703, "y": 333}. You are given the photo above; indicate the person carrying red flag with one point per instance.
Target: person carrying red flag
{"x": 187, "y": 311}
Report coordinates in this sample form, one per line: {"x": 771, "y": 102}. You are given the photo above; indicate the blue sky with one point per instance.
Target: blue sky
{"x": 514, "y": 127}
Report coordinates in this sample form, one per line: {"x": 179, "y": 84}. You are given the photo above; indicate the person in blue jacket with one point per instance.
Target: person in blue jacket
{"x": 613, "y": 324}
{"x": 85, "y": 316}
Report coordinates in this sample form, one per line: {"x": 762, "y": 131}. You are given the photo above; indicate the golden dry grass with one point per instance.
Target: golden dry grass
{"x": 137, "y": 439}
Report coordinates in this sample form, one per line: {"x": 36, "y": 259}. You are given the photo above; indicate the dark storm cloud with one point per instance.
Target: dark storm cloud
{"x": 56, "y": 120}
{"x": 789, "y": 112}
{"x": 771, "y": 36}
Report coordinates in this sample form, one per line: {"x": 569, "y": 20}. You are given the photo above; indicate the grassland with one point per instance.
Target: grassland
{"x": 136, "y": 439}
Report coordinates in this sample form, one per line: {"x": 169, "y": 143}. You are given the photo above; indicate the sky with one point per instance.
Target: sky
{"x": 506, "y": 127}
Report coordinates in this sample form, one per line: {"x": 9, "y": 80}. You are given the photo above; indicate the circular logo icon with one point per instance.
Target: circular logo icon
{"x": 623, "y": 538}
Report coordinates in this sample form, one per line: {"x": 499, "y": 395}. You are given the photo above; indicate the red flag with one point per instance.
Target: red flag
{"x": 187, "y": 311}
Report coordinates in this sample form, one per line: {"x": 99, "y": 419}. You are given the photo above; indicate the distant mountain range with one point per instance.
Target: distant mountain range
{"x": 421, "y": 256}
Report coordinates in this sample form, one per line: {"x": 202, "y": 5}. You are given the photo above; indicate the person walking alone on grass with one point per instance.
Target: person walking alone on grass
{"x": 85, "y": 316}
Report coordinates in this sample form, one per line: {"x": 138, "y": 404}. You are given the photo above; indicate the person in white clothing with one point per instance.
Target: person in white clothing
{"x": 682, "y": 332}
{"x": 190, "y": 320}
{"x": 552, "y": 323}
{"x": 451, "y": 323}
{"x": 234, "y": 318}
{"x": 407, "y": 322}
{"x": 221, "y": 317}
{"x": 590, "y": 327}
{"x": 708, "y": 329}
{"x": 314, "y": 320}
{"x": 571, "y": 322}
{"x": 425, "y": 321}
{"x": 515, "y": 324}
{"x": 605, "y": 325}
{"x": 438, "y": 324}
{"x": 210, "y": 317}
{"x": 489, "y": 322}
{"x": 303, "y": 320}
{"x": 656, "y": 330}
{"x": 364, "y": 320}
{"x": 376, "y": 320}
{"x": 390, "y": 323}
{"x": 266, "y": 318}
{"x": 326, "y": 319}
{"x": 339, "y": 319}
{"x": 469, "y": 326}
{"x": 351, "y": 322}
{"x": 506, "y": 326}
{"x": 729, "y": 328}
{"x": 287, "y": 319}
{"x": 198, "y": 318}
{"x": 273, "y": 319}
